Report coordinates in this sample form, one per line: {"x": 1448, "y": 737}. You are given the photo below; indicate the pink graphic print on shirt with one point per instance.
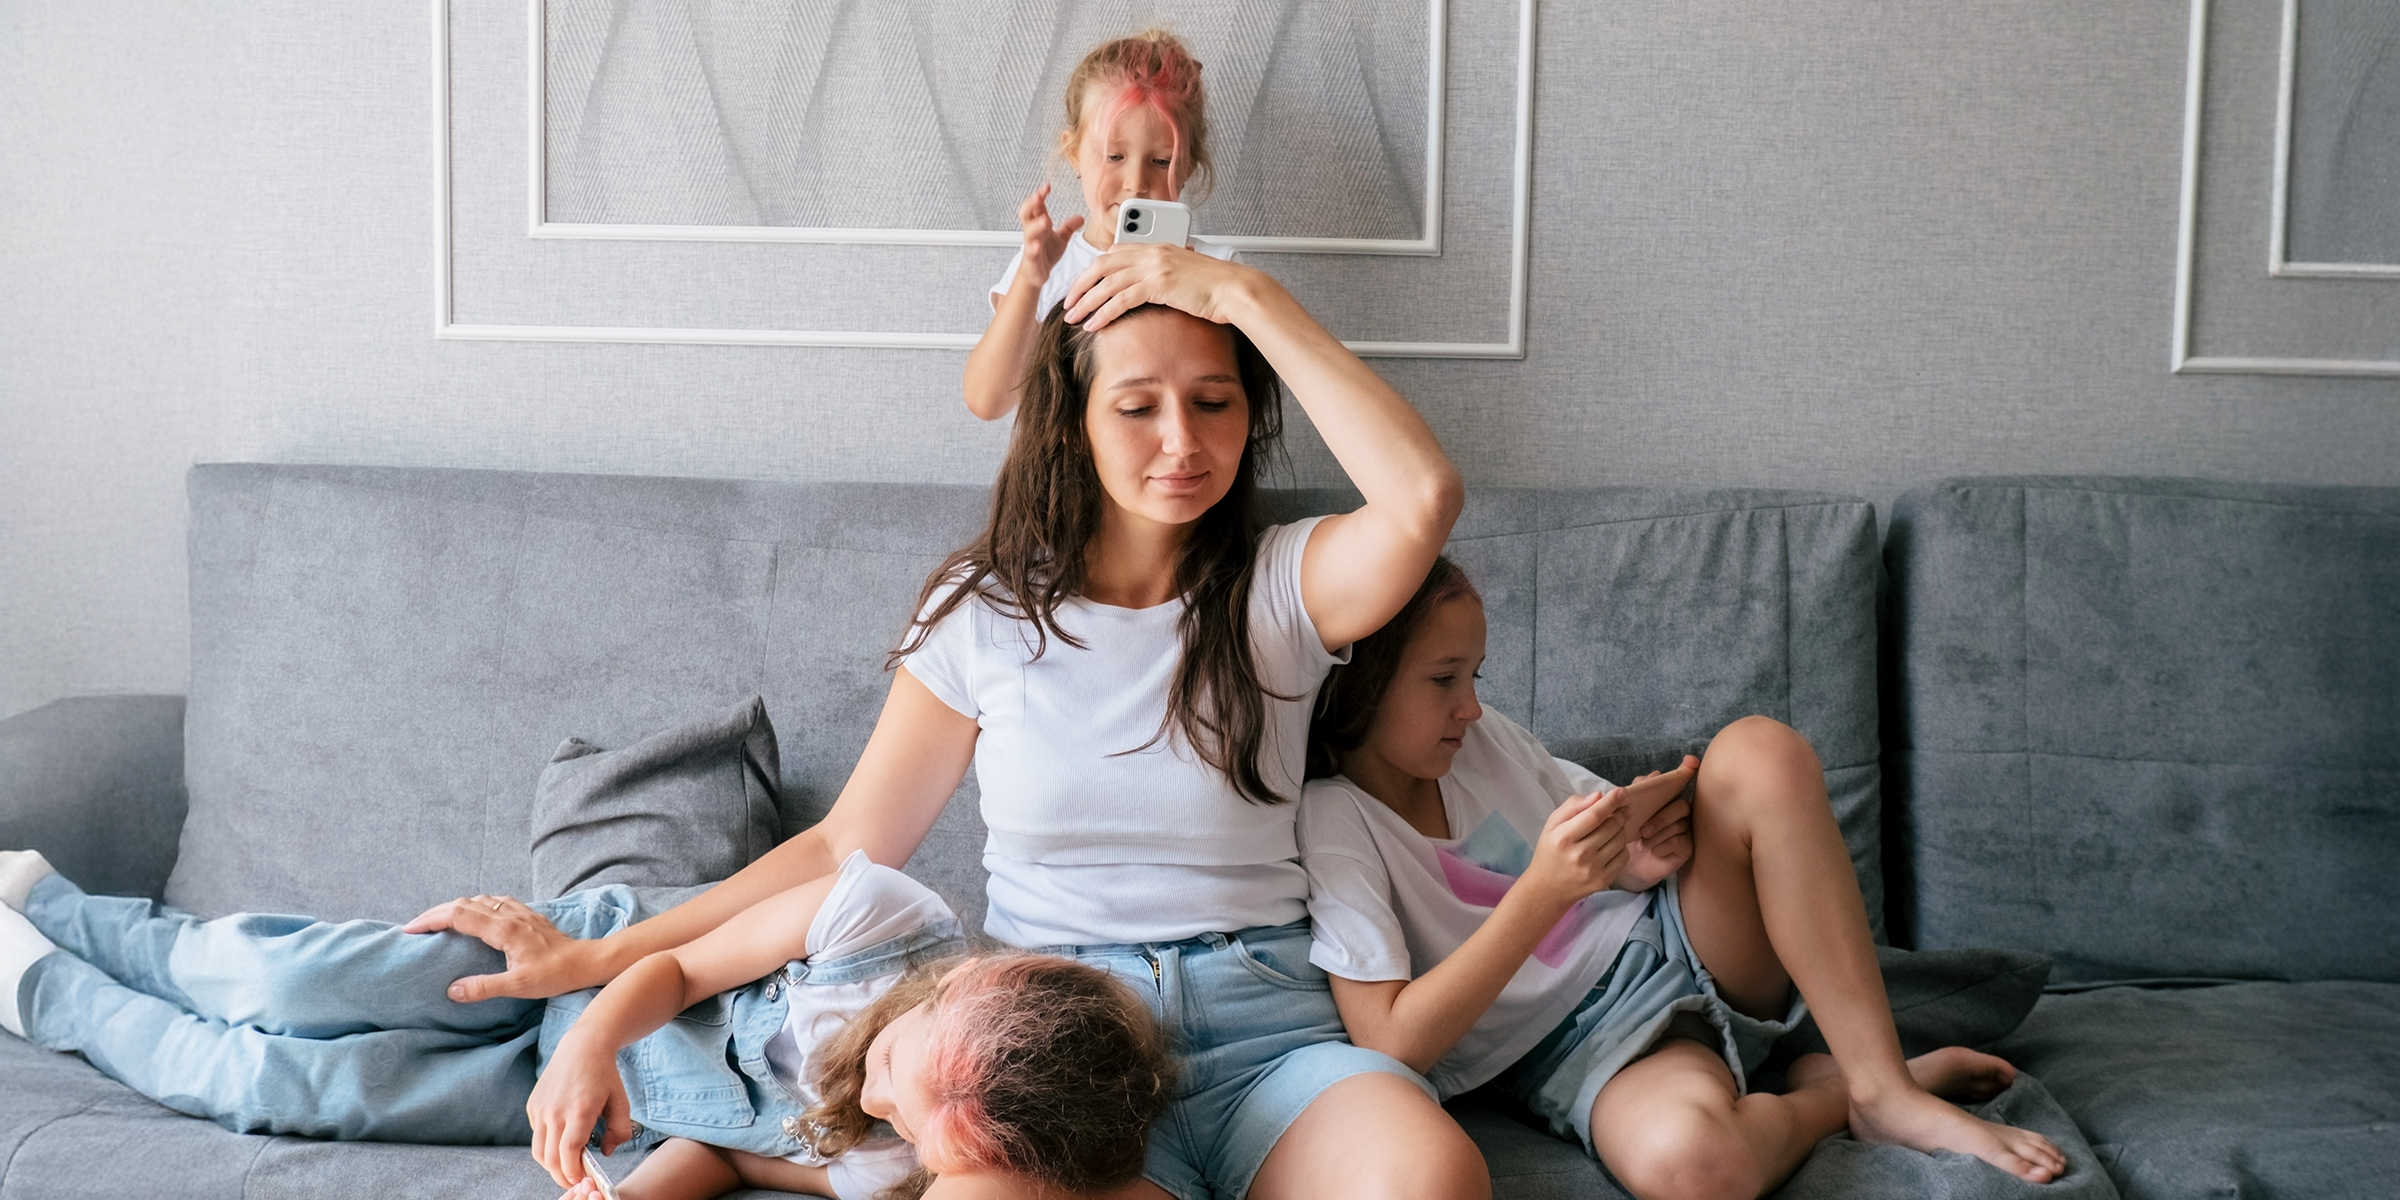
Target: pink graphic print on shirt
{"x": 1483, "y": 887}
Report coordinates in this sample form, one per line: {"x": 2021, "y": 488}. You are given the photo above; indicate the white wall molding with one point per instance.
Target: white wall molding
{"x": 540, "y": 225}
{"x": 448, "y": 328}
{"x": 2181, "y": 359}
{"x": 2279, "y": 228}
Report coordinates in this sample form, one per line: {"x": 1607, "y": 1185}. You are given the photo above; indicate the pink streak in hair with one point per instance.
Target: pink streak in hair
{"x": 974, "y": 1016}
{"x": 1153, "y": 94}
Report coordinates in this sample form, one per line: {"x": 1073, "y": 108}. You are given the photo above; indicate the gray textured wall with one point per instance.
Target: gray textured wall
{"x": 1833, "y": 245}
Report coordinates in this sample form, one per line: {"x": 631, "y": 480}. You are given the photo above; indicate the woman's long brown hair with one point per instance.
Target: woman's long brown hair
{"x": 1046, "y": 510}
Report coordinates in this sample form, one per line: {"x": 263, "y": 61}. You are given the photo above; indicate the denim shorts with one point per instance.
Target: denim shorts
{"x": 1655, "y": 989}
{"x": 1256, "y": 1037}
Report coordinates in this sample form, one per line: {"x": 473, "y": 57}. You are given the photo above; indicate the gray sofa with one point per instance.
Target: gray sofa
{"x": 2149, "y": 728}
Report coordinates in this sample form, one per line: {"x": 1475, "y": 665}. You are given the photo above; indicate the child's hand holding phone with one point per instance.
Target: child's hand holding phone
{"x": 1663, "y": 843}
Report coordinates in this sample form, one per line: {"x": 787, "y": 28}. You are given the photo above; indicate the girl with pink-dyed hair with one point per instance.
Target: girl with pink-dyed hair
{"x": 829, "y": 1039}
{"x": 1137, "y": 129}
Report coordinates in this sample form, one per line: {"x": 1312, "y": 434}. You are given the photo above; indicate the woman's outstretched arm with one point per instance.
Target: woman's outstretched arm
{"x": 1361, "y": 566}
{"x": 913, "y": 762}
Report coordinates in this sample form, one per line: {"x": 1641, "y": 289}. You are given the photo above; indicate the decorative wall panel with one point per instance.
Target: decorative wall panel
{"x": 813, "y": 173}
{"x": 2291, "y": 145}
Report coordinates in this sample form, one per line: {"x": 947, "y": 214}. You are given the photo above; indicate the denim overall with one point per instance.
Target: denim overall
{"x": 289, "y": 1025}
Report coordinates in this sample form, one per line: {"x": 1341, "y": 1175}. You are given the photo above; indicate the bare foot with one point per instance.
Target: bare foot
{"x": 1920, "y": 1121}
{"x": 1957, "y": 1073}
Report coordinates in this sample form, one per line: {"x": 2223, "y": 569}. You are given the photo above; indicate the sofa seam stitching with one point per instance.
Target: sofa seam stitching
{"x": 2138, "y": 758}
{"x": 2253, "y": 502}
{"x": 250, "y": 1168}
{"x": 30, "y": 1134}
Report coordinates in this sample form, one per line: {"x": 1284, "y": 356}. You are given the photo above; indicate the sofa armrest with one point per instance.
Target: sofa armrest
{"x": 96, "y": 784}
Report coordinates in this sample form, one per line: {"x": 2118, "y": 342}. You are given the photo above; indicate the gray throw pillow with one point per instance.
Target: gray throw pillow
{"x": 690, "y": 804}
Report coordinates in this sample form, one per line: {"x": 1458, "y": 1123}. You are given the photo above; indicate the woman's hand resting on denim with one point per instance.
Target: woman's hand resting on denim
{"x": 542, "y": 962}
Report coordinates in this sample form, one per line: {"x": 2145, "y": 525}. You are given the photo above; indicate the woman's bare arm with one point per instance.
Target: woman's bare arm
{"x": 913, "y": 762}
{"x": 1360, "y": 566}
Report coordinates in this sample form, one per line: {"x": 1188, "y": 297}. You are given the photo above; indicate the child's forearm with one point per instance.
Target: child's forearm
{"x": 630, "y": 1008}
{"x": 995, "y": 377}
{"x": 681, "y": 1169}
{"x": 1420, "y": 1021}
{"x": 802, "y": 857}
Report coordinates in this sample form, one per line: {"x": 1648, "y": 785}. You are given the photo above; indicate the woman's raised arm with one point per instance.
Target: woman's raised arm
{"x": 1361, "y": 566}
{"x": 913, "y": 762}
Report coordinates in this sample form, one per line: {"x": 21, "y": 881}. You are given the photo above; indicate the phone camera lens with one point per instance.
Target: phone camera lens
{"x": 1133, "y": 226}
{"x": 1133, "y": 214}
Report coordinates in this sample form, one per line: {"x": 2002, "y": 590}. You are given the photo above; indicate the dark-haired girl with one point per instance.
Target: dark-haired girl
{"x": 1620, "y": 958}
{"x": 1127, "y": 659}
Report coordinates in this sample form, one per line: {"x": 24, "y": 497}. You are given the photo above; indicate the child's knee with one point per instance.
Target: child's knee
{"x": 1679, "y": 1152}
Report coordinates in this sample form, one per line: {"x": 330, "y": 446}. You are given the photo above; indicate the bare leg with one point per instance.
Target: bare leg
{"x": 1373, "y": 1136}
{"x": 1770, "y": 901}
{"x": 1674, "y": 1126}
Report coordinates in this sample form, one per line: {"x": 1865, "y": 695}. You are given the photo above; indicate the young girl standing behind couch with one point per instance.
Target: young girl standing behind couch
{"x": 1476, "y": 902}
{"x": 1137, "y": 129}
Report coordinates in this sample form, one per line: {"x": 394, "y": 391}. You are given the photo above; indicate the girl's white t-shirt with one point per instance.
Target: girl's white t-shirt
{"x": 1388, "y": 902}
{"x": 869, "y": 905}
{"x": 1071, "y": 262}
{"x": 1101, "y": 832}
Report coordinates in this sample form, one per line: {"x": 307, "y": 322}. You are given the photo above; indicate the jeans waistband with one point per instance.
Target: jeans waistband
{"x": 1204, "y": 941}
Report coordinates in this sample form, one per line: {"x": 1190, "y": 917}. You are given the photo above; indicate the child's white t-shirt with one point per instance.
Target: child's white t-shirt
{"x": 1390, "y": 903}
{"x": 869, "y": 905}
{"x": 1071, "y": 262}
{"x": 1101, "y": 832}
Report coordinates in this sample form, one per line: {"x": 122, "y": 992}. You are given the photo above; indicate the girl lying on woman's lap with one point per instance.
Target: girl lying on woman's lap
{"x": 1480, "y": 907}
{"x": 844, "y": 1002}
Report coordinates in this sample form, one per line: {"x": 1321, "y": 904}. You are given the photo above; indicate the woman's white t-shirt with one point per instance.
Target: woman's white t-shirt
{"x": 1101, "y": 831}
{"x": 868, "y": 906}
{"x": 1071, "y": 262}
{"x": 1388, "y": 902}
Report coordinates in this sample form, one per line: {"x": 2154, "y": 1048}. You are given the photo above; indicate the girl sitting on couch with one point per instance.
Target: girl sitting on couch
{"x": 1620, "y": 959}
{"x": 843, "y": 1000}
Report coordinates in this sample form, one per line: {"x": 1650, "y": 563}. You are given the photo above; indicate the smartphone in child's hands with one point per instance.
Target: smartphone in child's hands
{"x": 1165, "y": 222}
{"x": 592, "y": 1167}
{"x": 1641, "y": 799}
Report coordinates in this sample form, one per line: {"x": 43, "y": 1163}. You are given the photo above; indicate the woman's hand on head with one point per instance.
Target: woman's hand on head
{"x": 1044, "y": 241}
{"x": 1129, "y": 277}
{"x": 542, "y": 962}
{"x": 576, "y": 1090}
{"x": 1581, "y": 850}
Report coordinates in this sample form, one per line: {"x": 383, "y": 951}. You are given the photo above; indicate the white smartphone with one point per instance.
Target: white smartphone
{"x": 1166, "y": 222}
{"x": 592, "y": 1167}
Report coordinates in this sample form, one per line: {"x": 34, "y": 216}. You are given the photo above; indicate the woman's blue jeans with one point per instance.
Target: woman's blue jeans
{"x": 276, "y": 1024}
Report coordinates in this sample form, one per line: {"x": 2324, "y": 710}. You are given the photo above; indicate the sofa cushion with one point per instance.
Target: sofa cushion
{"x": 691, "y": 804}
{"x": 2247, "y": 1089}
{"x": 2148, "y": 726}
{"x": 383, "y": 659}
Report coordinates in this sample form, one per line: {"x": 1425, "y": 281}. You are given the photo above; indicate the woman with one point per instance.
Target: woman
{"x": 1128, "y": 661}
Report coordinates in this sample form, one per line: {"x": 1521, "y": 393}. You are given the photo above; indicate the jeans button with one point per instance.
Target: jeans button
{"x": 791, "y": 1128}
{"x": 774, "y": 989}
